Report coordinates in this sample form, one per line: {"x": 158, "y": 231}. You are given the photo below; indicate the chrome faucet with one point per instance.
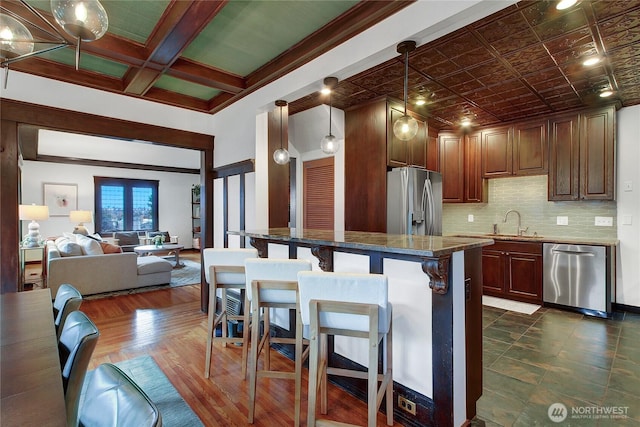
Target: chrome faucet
{"x": 520, "y": 229}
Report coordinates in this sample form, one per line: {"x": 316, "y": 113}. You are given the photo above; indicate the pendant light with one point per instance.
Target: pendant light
{"x": 281, "y": 155}
{"x": 406, "y": 127}
{"x": 329, "y": 143}
{"x": 84, "y": 20}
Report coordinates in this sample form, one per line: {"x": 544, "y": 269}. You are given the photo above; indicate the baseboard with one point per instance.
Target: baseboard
{"x": 358, "y": 387}
{"x": 628, "y": 308}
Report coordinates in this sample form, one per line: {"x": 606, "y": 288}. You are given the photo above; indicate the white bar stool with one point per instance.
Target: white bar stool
{"x": 224, "y": 269}
{"x": 354, "y": 305}
{"x": 272, "y": 283}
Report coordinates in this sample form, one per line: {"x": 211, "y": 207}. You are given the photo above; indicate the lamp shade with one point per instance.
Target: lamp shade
{"x": 86, "y": 19}
{"x": 33, "y": 212}
{"x": 15, "y": 38}
{"x": 80, "y": 216}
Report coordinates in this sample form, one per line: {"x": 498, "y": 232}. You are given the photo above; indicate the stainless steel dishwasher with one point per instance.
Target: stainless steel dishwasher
{"x": 579, "y": 277}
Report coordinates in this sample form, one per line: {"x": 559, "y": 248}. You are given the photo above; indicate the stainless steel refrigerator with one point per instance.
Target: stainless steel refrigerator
{"x": 414, "y": 201}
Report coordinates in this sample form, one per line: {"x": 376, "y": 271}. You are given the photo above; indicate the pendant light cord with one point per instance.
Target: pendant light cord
{"x": 330, "y": 112}
{"x": 281, "y": 127}
{"x": 406, "y": 79}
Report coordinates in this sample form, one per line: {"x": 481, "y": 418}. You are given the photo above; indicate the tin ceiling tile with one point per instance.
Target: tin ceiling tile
{"x": 515, "y": 42}
{"x": 502, "y": 27}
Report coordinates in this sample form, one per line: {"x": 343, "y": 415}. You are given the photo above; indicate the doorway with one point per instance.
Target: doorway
{"x": 318, "y": 194}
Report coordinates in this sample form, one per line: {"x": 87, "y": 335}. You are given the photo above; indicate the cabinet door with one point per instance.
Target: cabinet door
{"x": 530, "y": 148}
{"x": 418, "y": 146}
{"x": 564, "y": 151}
{"x": 597, "y": 150}
{"x": 451, "y": 167}
{"x": 493, "y": 272}
{"x": 397, "y": 149}
{"x": 525, "y": 277}
{"x": 497, "y": 152}
{"x": 474, "y": 184}
{"x": 433, "y": 151}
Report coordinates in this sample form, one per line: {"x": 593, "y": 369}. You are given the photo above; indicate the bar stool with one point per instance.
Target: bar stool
{"x": 272, "y": 283}
{"x": 354, "y": 305}
{"x": 224, "y": 269}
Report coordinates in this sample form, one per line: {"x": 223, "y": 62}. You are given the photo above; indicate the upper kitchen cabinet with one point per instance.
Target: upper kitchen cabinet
{"x": 582, "y": 150}
{"x": 520, "y": 149}
{"x": 530, "y": 148}
{"x": 497, "y": 152}
{"x": 406, "y": 153}
{"x": 460, "y": 166}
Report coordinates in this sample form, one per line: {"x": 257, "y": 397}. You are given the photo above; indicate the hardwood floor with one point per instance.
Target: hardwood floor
{"x": 168, "y": 325}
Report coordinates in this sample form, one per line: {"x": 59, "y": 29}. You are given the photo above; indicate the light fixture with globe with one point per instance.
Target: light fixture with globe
{"x": 406, "y": 127}
{"x": 329, "y": 143}
{"x": 281, "y": 155}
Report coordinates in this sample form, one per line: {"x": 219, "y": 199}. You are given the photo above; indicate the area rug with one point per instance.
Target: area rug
{"x": 517, "y": 306}
{"x": 187, "y": 275}
{"x": 147, "y": 374}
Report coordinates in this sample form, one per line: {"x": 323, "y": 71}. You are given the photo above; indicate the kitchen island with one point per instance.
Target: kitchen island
{"x": 435, "y": 286}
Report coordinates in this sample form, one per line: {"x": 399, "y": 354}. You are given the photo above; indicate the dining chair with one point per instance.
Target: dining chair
{"x": 271, "y": 284}
{"x": 112, "y": 398}
{"x": 67, "y": 299}
{"x": 224, "y": 271}
{"x": 352, "y": 305}
{"x": 77, "y": 341}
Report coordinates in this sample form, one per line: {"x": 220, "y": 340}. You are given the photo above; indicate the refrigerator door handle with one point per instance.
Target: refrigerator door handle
{"x": 428, "y": 206}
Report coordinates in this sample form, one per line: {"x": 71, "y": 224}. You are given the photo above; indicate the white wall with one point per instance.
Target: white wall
{"x": 174, "y": 194}
{"x": 628, "y": 158}
{"x": 306, "y": 130}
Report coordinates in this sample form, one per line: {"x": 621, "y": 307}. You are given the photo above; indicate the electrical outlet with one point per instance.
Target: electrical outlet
{"x": 406, "y": 405}
{"x": 470, "y": 218}
{"x": 562, "y": 220}
{"x": 604, "y": 221}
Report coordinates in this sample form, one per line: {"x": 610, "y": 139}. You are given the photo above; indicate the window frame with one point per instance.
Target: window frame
{"x": 128, "y": 184}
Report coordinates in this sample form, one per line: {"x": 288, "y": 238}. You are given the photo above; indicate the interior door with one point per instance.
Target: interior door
{"x": 318, "y": 194}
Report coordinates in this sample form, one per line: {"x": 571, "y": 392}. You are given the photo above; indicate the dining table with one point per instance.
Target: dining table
{"x": 31, "y": 390}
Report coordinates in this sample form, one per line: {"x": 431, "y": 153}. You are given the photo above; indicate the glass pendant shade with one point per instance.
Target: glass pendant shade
{"x": 15, "y": 38}
{"x": 330, "y": 144}
{"x": 83, "y": 19}
{"x": 281, "y": 156}
{"x": 405, "y": 128}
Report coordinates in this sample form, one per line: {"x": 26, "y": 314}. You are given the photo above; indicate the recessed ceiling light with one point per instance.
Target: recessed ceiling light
{"x": 420, "y": 100}
{"x": 605, "y": 93}
{"x": 565, "y": 4}
{"x": 591, "y": 61}
{"x": 465, "y": 122}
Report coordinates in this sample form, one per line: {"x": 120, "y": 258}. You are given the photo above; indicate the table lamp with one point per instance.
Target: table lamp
{"x": 80, "y": 217}
{"x": 33, "y": 213}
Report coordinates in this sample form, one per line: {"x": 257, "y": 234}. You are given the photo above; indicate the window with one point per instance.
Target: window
{"x": 125, "y": 204}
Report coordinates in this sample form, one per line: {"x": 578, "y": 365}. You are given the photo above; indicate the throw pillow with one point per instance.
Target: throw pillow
{"x": 60, "y": 240}
{"x": 108, "y": 248}
{"x": 95, "y": 236}
{"x": 67, "y": 248}
{"x": 89, "y": 246}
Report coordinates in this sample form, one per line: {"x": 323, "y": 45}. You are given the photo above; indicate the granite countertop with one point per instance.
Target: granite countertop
{"x": 432, "y": 246}
{"x": 545, "y": 239}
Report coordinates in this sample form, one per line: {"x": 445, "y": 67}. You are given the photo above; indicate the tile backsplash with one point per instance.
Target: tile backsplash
{"x": 528, "y": 195}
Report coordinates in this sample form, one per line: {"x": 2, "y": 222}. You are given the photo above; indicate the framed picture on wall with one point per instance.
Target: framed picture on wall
{"x": 61, "y": 198}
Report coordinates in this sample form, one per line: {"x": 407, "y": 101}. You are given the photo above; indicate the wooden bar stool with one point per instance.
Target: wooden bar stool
{"x": 224, "y": 269}
{"x": 272, "y": 283}
{"x": 354, "y": 305}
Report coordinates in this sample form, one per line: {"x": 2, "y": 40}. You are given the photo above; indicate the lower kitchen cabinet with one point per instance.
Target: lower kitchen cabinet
{"x": 513, "y": 270}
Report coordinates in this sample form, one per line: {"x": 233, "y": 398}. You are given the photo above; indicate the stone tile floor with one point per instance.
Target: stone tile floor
{"x": 589, "y": 365}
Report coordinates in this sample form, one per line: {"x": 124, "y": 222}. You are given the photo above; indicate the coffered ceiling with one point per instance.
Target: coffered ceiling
{"x": 522, "y": 61}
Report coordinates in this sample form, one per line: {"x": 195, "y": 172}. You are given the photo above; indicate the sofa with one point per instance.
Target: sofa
{"x": 95, "y": 267}
{"x": 128, "y": 240}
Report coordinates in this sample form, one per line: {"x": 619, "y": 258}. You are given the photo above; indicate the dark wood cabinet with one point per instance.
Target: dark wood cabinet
{"x": 497, "y": 152}
{"x": 597, "y": 154}
{"x": 452, "y": 167}
{"x": 365, "y": 150}
{"x": 513, "y": 270}
{"x": 406, "y": 153}
{"x": 582, "y": 156}
{"x": 530, "y": 148}
{"x": 460, "y": 166}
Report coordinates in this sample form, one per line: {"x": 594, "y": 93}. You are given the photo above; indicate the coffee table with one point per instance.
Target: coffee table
{"x": 153, "y": 249}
